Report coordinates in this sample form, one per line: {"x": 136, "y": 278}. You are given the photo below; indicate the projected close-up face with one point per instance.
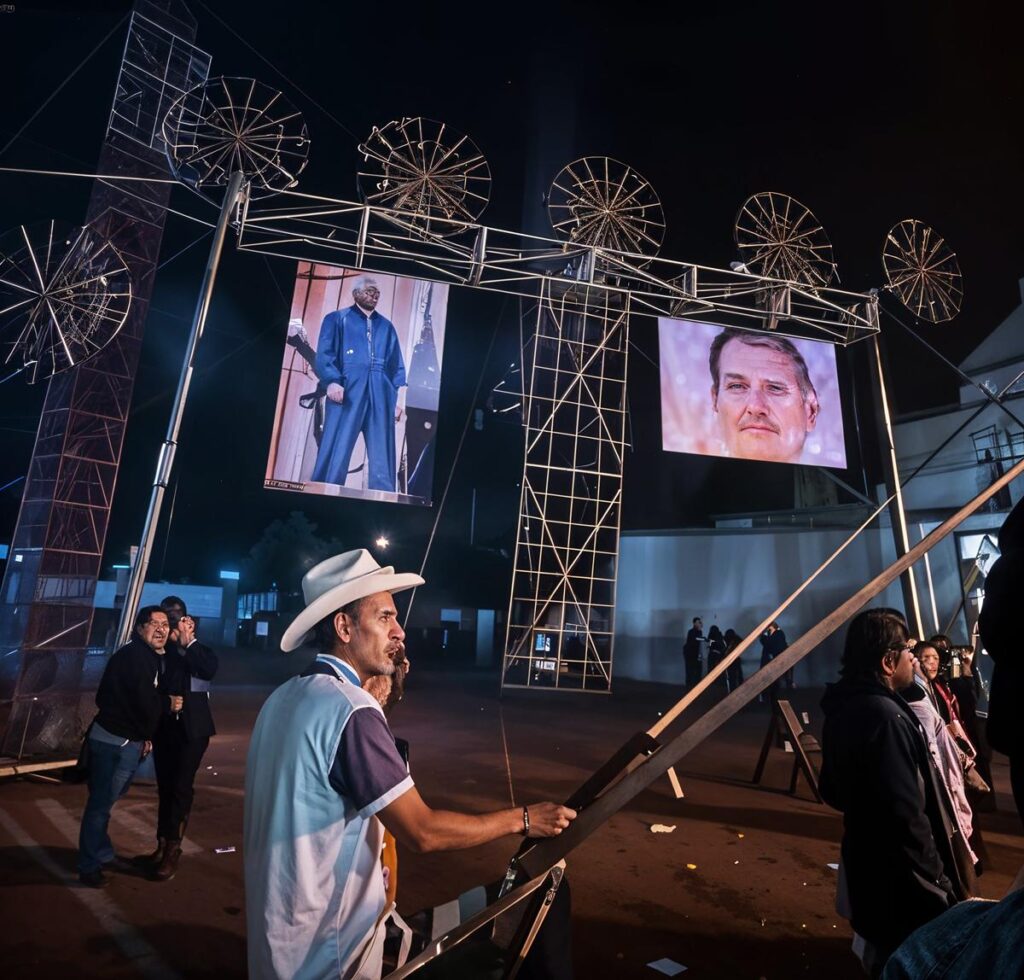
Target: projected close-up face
{"x": 764, "y": 408}
{"x": 747, "y": 394}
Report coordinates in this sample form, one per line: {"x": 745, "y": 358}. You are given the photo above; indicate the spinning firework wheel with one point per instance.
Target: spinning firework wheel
{"x": 427, "y": 171}
{"x": 778, "y": 237}
{"x": 601, "y": 202}
{"x": 923, "y": 271}
{"x": 232, "y": 125}
{"x": 64, "y": 294}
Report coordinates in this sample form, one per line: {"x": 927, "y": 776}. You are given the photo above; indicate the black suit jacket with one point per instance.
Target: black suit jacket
{"x": 194, "y": 667}
{"x": 691, "y": 648}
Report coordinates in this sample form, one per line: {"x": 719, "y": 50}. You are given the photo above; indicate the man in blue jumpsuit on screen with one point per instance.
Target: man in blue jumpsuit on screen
{"x": 359, "y": 359}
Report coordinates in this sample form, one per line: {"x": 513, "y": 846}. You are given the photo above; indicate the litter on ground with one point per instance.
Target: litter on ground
{"x": 669, "y": 967}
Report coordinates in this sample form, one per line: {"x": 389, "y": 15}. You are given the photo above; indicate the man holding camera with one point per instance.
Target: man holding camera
{"x": 182, "y": 736}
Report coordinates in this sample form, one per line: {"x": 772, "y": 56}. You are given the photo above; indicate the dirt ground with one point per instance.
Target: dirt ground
{"x": 741, "y": 888}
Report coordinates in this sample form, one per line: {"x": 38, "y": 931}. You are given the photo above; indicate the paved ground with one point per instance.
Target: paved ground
{"x": 758, "y": 903}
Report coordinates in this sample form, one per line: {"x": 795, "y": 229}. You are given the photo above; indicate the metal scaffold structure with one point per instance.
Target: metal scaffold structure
{"x": 561, "y": 610}
{"x": 78, "y": 298}
{"x": 423, "y": 189}
{"x": 85, "y": 330}
{"x": 579, "y": 292}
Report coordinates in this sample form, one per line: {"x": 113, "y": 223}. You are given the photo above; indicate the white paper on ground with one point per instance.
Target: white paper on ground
{"x": 669, "y": 967}
{"x": 660, "y": 828}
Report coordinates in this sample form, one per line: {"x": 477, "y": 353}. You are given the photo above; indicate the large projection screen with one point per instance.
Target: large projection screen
{"x": 749, "y": 395}
{"x": 357, "y": 403}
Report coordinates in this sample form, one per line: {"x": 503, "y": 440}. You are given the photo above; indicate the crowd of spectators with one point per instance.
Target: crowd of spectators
{"x": 719, "y": 646}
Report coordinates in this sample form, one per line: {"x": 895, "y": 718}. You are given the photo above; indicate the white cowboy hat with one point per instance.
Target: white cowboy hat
{"x": 336, "y": 582}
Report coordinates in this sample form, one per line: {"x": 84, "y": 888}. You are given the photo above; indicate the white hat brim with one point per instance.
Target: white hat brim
{"x": 342, "y": 595}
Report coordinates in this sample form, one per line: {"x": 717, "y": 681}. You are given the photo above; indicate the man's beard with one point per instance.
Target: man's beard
{"x": 388, "y": 685}
{"x": 386, "y": 666}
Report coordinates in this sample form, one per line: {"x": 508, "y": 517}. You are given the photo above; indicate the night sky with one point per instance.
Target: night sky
{"x": 868, "y": 114}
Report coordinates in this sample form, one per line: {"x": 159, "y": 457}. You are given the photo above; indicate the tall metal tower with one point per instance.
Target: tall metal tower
{"x": 46, "y": 599}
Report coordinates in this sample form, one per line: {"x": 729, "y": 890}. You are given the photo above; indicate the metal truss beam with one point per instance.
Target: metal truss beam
{"x": 321, "y": 229}
{"x": 580, "y": 298}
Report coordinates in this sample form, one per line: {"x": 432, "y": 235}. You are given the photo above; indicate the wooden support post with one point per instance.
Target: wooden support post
{"x": 766, "y": 747}
{"x": 783, "y": 723}
{"x": 801, "y": 762}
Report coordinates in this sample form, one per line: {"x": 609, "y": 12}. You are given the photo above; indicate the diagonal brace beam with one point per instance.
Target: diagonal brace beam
{"x": 542, "y": 855}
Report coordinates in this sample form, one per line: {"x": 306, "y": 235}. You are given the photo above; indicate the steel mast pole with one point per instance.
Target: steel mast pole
{"x": 899, "y": 514}
{"x": 165, "y": 462}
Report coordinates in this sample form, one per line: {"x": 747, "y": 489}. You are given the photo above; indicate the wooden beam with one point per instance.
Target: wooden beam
{"x": 545, "y": 853}
{"x": 26, "y": 768}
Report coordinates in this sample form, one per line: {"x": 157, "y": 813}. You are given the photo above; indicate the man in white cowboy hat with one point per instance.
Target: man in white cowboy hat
{"x": 323, "y": 779}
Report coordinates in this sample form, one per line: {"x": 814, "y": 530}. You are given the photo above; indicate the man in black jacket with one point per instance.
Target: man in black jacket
{"x": 692, "y": 651}
{"x": 181, "y": 738}
{"x": 130, "y": 705}
{"x": 898, "y": 866}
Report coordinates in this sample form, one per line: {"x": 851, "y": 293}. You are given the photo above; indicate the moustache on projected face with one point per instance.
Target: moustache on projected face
{"x": 759, "y": 425}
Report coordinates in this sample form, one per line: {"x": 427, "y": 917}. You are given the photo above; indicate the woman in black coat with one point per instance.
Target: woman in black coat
{"x": 716, "y": 652}
{"x": 734, "y": 675}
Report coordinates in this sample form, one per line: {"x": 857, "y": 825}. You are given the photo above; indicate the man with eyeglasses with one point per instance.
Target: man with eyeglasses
{"x": 359, "y": 359}
{"x": 902, "y": 849}
{"x": 130, "y": 706}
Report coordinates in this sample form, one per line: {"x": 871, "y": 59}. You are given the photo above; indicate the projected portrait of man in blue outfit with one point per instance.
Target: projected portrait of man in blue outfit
{"x": 359, "y": 359}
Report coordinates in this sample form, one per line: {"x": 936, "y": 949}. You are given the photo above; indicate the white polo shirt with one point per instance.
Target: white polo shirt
{"x": 313, "y": 883}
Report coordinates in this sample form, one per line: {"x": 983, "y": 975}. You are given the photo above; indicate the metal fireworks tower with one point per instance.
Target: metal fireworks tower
{"x": 46, "y": 600}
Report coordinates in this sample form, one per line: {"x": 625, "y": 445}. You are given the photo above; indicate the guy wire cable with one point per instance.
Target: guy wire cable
{"x": 458, "y": 453}
{"x": 508, "y": 760}
{"x": 956, "y": 369}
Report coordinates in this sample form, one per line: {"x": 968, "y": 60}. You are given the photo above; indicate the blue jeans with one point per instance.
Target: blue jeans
{"x": 111, "y": 768}
{"x": 975, "y": 938}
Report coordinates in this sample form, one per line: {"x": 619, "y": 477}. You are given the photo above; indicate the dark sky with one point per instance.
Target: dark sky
{"x": 868, "y": 113}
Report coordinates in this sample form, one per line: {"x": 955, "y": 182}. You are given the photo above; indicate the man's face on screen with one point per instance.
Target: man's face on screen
{"x": 762, "y": 413}
{"x": 367, "y": 295}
